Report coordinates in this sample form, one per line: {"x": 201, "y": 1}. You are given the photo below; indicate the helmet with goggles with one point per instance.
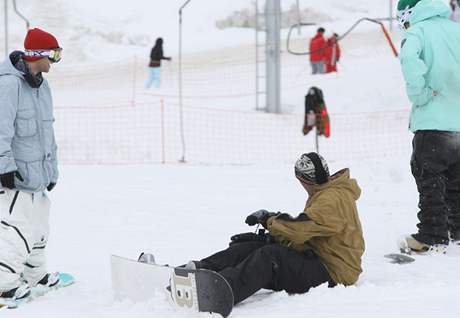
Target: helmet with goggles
{"x": 40, "y": 44}
{"x": 405, "y": 8}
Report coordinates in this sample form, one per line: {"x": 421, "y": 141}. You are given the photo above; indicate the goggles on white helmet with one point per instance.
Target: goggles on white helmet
{"x": 403, "y": 18}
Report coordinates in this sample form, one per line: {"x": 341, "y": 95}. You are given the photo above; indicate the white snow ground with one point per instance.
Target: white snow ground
{"x": 187, "y": 212}
{"x": 181, "y": 212}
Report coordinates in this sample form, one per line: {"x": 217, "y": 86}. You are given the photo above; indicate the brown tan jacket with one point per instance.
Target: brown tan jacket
{"x": 332, "y": 228}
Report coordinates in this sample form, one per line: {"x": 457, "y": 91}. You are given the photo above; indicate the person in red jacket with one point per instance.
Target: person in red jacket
{"x": 317, "y": 50}
{"x": 332, "y": 54}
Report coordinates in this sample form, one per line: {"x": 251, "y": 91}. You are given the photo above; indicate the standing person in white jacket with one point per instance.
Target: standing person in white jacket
{"x": 28, "y": 165}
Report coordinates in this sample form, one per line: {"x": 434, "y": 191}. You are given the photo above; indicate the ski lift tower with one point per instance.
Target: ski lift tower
{"x": 6, "y": 26}
{"x": 5, "y": 7}
{"x": 272, "y": 57}
{"x": 390, "y": 18}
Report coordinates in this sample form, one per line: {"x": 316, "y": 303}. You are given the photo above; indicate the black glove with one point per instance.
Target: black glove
{"x": 51, "y": 186}
{"x": 251, "y": 237}
{"x": 7, "y": 179}
{"x": 259, "y": 217}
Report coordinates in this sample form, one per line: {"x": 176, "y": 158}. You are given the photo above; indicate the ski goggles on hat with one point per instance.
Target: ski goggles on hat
{"x": 403, "y": 18}
{"x": 54, "y": 55}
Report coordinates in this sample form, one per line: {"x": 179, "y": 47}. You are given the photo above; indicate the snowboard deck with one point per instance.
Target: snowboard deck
{"x": 65, "y": 279}
{"x": 136, "y": 281}
{"x": 400, "y": 258}
{"x": 405, "y": 258}
{"x": 406, "y": 255}
{"x": 199, "y": 290}
{"x": 203, "y": 290}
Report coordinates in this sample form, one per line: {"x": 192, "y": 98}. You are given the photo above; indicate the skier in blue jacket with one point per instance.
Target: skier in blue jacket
{"x": 430, "y": 61}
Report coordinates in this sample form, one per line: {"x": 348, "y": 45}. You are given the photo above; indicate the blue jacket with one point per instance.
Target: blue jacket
{"x": 27, "y": 142}
{"x": 430, "y": 60}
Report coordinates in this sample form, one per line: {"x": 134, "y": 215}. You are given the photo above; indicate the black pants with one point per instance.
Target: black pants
{"x": 251, "y": 266}
{"x": 435, "y": 166}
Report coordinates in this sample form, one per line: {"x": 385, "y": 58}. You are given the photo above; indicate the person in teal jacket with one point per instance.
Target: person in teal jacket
{"x": 430, "y": 61}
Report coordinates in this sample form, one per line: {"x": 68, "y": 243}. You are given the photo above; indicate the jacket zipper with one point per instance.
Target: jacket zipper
{"x": 41, "y": 135}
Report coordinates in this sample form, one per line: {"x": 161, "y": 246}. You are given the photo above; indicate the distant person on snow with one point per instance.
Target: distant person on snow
{"x": 316, "y": 114}
{"x": 317, "y": 52}
{"x": 431, "y": 69}
{"x": 323, "y": 244}
{"x": 28, "y": 165}
{"x": 455, "y": 14}
{"x": 332, "y": 53}
{"x": 156, "y": 55}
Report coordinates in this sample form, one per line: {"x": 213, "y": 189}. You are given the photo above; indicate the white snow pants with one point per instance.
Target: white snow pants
{"x": 24, "y": 231}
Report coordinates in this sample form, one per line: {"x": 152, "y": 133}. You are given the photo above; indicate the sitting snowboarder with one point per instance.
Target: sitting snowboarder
{"x": 324, "y": 244}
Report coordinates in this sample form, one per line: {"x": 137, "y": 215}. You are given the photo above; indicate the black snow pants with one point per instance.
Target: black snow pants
{"x": 435, "y": 166}
{"x": 251, "y": 266}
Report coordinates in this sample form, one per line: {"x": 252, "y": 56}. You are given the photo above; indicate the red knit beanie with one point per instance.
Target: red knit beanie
{"x": 37, "y": 39}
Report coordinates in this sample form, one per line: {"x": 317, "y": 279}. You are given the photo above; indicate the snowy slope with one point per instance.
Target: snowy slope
{"x": 187, "y": 212}
{"x": 110, "y": 30}
{"x": 126, "y": 209}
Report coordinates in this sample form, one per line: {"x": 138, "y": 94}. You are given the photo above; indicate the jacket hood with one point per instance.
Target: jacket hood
{"x": 342, "y": 180}
{"x": 427, "y": 9}
{"x": 16, "y": 66}
{"x": 8, "y": 68}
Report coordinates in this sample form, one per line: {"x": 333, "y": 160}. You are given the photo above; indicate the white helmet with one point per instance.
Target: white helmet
{"x": 403, "y": 17}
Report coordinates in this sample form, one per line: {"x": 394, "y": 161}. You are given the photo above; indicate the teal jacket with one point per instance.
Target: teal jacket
{"x": 430, "y": 60}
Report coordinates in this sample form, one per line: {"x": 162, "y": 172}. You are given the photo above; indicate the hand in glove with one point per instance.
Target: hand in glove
{"x": 259, "y": 217}
{"x": 306, "y": 129}
{"x": 7, "y": 179}
{"x": 251, "y": 237}
{"x": 51, "y": 186}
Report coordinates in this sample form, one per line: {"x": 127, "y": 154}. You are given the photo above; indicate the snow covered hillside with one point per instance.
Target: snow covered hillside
{"x": 110, "y": 30}
{"x": 238, "y": 159}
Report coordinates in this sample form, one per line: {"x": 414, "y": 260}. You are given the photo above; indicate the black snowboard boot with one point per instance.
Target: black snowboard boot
{"x": 197, "y": 265}
{"x": 17, "y": 293}
{"x": 455, "y": 237}
{"x": 146, "y": 258}
{"x": 49, "y": 280}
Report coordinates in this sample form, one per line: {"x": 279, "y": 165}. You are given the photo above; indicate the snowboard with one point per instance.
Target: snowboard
{"x": 399, "y": 258}
{"x": 65, "y": 280}
{"x": 406, "y": 255}
{"x": 138, "y": 282}
{"x": 199, "y": 290}
{"x": 404, "y": 251}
